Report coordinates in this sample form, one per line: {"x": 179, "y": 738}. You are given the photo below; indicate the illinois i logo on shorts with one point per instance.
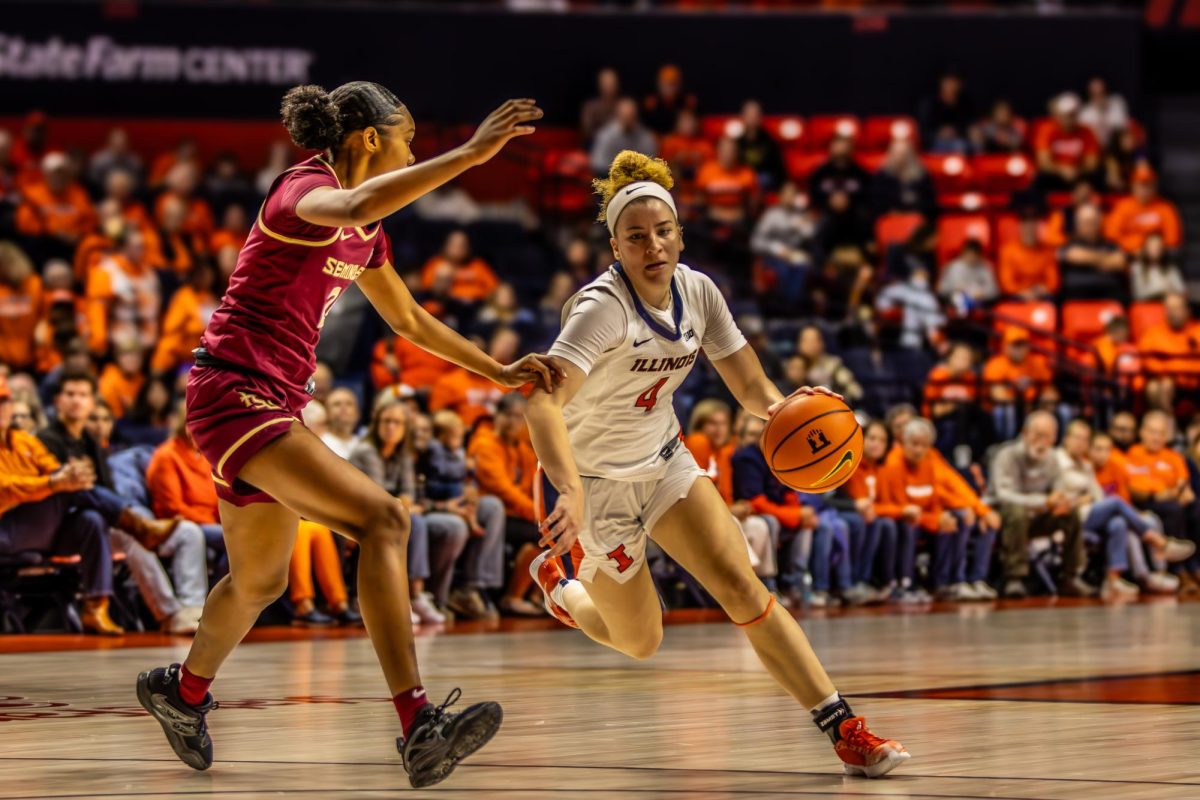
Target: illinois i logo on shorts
{"x": 251, "y": 400}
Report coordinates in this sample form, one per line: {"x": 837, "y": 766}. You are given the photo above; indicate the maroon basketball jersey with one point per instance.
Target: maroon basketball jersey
{"x": 288, "y": 275}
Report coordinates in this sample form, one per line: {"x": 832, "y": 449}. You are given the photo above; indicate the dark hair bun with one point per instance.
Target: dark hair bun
{"x": 311, "y": 118}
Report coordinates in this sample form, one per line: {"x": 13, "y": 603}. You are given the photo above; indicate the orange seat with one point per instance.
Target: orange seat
{"x": 1035, "y": 128}
{"x": 1144, "y": 315}
{"x": 716, "y": 126}
{"x": 823, "y": 127}
{"x": 972, "y": 201}
{"x": 1003, "y": 173}
{"x": 895, "y": 228}
{"x": 878, "y": 132}
{"x": 955, "y": 229}
{"x": 1037, "y": 315}
{"x": 566, "y": 181}
{"x": 788, "y": 129}
{"x": 951, "y": 174}
{"x": 1084, "y": 320}
{"x": 871, "y": 162}
{"x": 800, "y": 165}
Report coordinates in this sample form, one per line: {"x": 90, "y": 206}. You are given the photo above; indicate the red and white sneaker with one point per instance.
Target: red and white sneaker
{"x": 548, "y": 574}
{"x": 865, "y": 754}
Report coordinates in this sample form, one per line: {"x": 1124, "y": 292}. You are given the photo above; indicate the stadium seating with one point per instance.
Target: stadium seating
{"x": 1084, "y": 320}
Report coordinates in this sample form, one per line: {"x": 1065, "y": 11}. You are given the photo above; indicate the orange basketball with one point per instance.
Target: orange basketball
{"x": 813, "y": 443}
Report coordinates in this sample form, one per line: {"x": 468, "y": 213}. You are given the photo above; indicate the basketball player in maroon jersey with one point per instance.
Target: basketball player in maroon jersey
{"x": 318, "y": 230}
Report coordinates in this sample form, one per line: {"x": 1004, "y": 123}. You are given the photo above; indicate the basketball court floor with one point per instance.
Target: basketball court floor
{"x": 1045, "y": 702}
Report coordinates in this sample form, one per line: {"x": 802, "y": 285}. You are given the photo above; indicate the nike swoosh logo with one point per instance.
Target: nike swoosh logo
{"x": 633, "y": 189}
{"x": 845, "y": 460}
{"x": 418, "y": 693}
{"x": 636, "y": 343}
{"x": 346, "y": 236}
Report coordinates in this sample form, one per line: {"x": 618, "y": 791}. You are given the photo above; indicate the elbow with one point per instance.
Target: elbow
{"x": 359, "y": 208}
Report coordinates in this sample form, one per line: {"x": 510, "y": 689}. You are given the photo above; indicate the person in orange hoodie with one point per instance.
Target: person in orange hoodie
{"x": 1013, "y": 377}
{"x": 21, "y": 306}
{"x": 121, "y": 381}
{"x": 1144, "y": 212}
{"x": 398, "y": 361}
{"x": 235, "y": 227}
{"x": 1171, "y": 353}
{"x": 469, "y": 395}
{"x": 874, "y": 553}
{"x": 951, "y": 383}
{"x": 473, "y": 280}
{"x": 173, "y": 247}
{"x": 56, "y": 209}
{"x": 186, "y": 317}
{"x": 1027, "y": 268}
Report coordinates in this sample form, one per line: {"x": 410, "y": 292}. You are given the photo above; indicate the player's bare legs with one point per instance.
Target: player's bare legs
{"x": 259, "y": 539}
{"x": 624, "y": 616}
{"x": 701, "y": 535}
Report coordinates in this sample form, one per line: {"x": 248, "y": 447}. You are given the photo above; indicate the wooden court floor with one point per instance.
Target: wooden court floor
{"x": 1040, "y": 703}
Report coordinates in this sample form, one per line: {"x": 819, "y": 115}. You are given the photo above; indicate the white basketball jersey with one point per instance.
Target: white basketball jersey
{"x": 621, "y": 423}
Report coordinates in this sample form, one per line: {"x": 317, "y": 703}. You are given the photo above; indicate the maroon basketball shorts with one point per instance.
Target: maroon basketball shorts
{"x": 231, "y": 416}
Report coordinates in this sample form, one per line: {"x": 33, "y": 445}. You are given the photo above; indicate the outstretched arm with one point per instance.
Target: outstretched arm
{"x": 743, "y": 374}
{"x": 548, "y": 431}
{"x": 391, "y": 298}
{"x": 386, "y": 194}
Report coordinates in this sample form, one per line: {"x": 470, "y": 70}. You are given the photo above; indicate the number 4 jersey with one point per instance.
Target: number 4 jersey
{"x": 288, "y": 275}
{"x": 621, "y": 423}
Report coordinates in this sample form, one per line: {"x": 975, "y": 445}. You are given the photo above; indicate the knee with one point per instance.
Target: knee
{"x": 490, "y": 506}
{"x": 743, "y": 597}
{"x": 388, "y": 525}
{"x": 259, "y": 591}
{"x": 91, "y": 521}
{"x": 645, "y": 645}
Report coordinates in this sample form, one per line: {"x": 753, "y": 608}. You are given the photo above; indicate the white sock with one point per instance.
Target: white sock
{"x": 566, "y": 592}
{"x": 826, "y": 703}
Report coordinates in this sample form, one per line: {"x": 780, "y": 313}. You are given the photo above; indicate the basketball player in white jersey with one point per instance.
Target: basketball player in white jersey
{"x": 610, "y": 447}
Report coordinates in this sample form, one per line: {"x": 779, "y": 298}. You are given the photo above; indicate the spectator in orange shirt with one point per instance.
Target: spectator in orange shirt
{"x": 686, "y": 150}
{"x": 1135, "y": 217}
{"x": 469, "y": 395}
{"x": 1158, "y": 482}
{"x": 1118, "y": 356}
{"x": 952, "y": 383}
{"x": 729, "y": 189}
{"x": 474, "y": 280}
{"x": 235, "y": 227}
{"x": 121, "y": 187}
{"x": 56, "y": 210}
{"x": 400, "y": 362}
{"x": 1027, "y": 268}
{"x": 174, "y": 249}
{"x": 124, "y": 297}
{"x": 184, "y": 153}
{"x": 1171, "y": 353}
{"x": 121, "y": 381}
{"x": 1013, "y": 377}
{"x": 187, "y": 316}
{"x": 61, "y": 319}
{"x": 21, "y": 306}
{"x": 874, "y": 553}
{"x": 1066, "y": 152}
{"x": 182, "y": 182}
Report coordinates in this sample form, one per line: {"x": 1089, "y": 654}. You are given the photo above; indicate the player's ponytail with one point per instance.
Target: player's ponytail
{"x": 311, "y": 118}
{"x": 630, "y": 167}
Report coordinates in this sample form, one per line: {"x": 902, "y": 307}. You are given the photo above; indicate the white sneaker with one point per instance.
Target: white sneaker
{"x": 859, "y": 594}
{"x": 984, "y": 591}
{"x": 1178, "y": 550}
{"x": 822, "y": 600}
{"x": 1161, "y": 583}
{"x": 955, "y": 593}
{"x": 182, "y": 623}
{"x": 426, "y": 611}
{"x": 1118, "y": 589}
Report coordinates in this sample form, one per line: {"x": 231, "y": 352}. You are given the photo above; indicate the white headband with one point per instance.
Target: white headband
{"x": 632, "y": 192}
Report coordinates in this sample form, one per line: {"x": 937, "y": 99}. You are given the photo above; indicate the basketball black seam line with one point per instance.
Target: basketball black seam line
{"x": 805, "y": 424}
{"x": 815, "y": 461}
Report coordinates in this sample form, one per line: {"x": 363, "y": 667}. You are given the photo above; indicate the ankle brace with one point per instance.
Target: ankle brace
{"x": 830, "y": 719}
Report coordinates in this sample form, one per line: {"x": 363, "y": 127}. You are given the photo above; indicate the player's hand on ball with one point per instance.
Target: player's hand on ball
{"x": 804, "y": 391}
{"x": 562, "y": 526}
{"x": 506, "y": 122}
{"x": 533, "y": 368}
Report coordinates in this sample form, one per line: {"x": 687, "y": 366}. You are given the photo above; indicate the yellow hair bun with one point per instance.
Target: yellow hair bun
{"x": 629, "y": 167}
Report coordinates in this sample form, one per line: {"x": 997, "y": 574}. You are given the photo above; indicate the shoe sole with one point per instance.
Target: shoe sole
{"x": 189, "y": 757}
{"x": 477, "y": 730}
{"x": 878, "y": 770}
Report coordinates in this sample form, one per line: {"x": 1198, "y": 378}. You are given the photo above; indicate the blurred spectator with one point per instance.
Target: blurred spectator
{"x": 1023, "y": 476}
{"x": 753, "y": 327}
{"x": 825, "y": 369}
{"x": 31, "y": 146}
{"x": 903, "y": 183}
{"x": 1121, "y": 159}
{"x": 582, "y": 261}
{"x": 558, "y": 292}
{"x": 1061, "y": 225}
{"x": 56, "y": 210}
{"x": 1104, "y": 114}
{"x": 322, "y": 382}
{"x": 663, "y": 107}
{"x": 946, "y": 118}
{"x": 1027, "y": 268}
{"x": 969, "y": 275}
{"x": 840, "y": 174}
{"x": 1091, "y": 266}
{"x": 1134, "y": 218}
{"x": 473, "y": 396}
{"x": 152, "y": 416}
{"x": 27, "y": 414}
{"x": 1158, "y": 482}
{"x": 124, "y": 296}
{"x": 115, "y": 155}
{"x": 784, "y": 238}
{"x": 1169, "y": 353}
{"x": 873, "y": 553}
{"x": 1154, "y": 273}
{"x": 729, "y": 189}
{"x": 184, "y": 153}
{"x": 844, "y": 234}
{"x": 121, "y": 187}
{"x": 1065, "y": 151}
{"x": 121, "y": 381}
{"x": 183, "y": 181}
{"x": 758, "y": 150}
{"x": 342, "y": 408}
{"x": 921, "y": 317}
{"x": 1122, "y": 429}
{"x": 599, "y": 110}
{"x": 400, "y": 362}
{"x": 279, "y": 158}
{"x": 951, "y": 383}
{"x": 505, "y": 468}
{"x": 9, "y": 194}
{"x": 1001, "y": 132}
{"x": 21, "y": 306}
{"x": 315, "y": 552}
{"x": 503, "y": 308}
{"x": 1117, "y": 353}
{"x": 685, "y": 150}
{"x": 473, "y": 279}
{"x": 226, "y": 185}
{"x": 1013, "y": 376}
{"x": 235, "y": 227}
{"x": 623, "y": 132}
{"x": 187, "y": 316}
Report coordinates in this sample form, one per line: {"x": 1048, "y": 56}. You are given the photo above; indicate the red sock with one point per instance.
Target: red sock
{"x": 192, "y": 688}
{"x": 408, "y": 703}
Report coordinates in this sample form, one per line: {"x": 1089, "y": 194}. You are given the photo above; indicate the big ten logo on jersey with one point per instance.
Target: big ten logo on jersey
{"x": 340, "y": 269}
{"x": 662, "y": 364}
{"x": 817, "y": 440}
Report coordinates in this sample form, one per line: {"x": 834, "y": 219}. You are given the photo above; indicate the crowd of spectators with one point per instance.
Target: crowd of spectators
{"x": 861, "y": 268}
